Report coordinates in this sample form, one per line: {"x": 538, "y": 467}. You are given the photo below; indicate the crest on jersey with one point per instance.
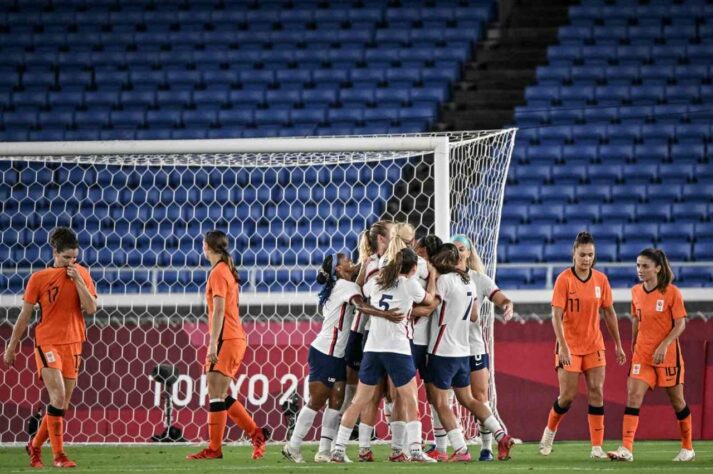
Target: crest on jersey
{"x": 659, "y": 305}
{"x": 598, "y": 292}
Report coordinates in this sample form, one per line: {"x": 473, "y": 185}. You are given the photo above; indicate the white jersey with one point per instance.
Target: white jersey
{"x": 387, "y": 336}
{"x": 420, "y": 327}
{"x": 362, "y": 321}
{"x": 486, "y": 288}
{"x": 450, "y": 332}
{"x": 338, "y": 313}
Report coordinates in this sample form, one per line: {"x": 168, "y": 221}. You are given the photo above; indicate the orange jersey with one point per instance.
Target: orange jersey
{"x": 61, "y": 319}
{"x": 581, "y": 301}
{"x": 221, "y": 282}
{"x": 656, "y": 313}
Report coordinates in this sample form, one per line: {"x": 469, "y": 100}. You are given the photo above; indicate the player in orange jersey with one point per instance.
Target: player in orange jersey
{"x": 225, "y": 350}
{"x": 63, "y": 292}
{"x": 659, "y": 318}
{"x": 580, "y": 293}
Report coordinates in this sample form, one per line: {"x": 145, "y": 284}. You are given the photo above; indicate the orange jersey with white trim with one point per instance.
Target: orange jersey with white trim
{"x": 61, "y": 319}
{"x": 221, "y": 282}
{"x": 656, "y": 313}
{"x": 581, "y": 301}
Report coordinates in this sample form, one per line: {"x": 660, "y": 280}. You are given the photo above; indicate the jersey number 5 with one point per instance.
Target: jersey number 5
{"x": 384, "y": 301}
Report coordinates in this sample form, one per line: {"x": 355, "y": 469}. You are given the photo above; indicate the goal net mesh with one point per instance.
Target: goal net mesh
{"x": 140, "y": 220}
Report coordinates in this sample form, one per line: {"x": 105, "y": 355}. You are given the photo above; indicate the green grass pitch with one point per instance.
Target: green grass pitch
{"x": 566, "y": 457}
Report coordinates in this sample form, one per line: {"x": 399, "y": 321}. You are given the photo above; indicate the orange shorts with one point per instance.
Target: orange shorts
{"x": 582, "y": 363}
{"x": 64, "y": 357}
{"x": 230, "y": 356}
{"x": 656, "y": 376}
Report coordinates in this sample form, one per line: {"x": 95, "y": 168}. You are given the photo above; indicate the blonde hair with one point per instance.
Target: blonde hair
{"x": 402, "y": 234}
{"x": 369, "y": 239}
{"x": 474, "y": 262}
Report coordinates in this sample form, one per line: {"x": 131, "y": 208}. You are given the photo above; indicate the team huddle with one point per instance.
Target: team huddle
{"x": 408, "y": 308}
{"x": 412, "y": 306}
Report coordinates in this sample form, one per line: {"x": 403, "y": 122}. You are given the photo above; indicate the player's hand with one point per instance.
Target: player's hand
{"x": 620, "y": 355}
{"x": 73, "y": 273}
{"x": 9, "y": 357}
{"x": 212, "y": 354}
{"x": 660, "y": 353}
{"x": 565, "y": 358}
{"x": 394, "y": 316}
{"x": 508, "y": 310}
{"x": 432, "y": 272}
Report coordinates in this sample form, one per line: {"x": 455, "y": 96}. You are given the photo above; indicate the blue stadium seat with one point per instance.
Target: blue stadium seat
{"x": 676, "y": 250}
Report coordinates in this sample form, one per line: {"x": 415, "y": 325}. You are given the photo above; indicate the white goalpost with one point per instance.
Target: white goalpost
{"x": 140, "y": 209}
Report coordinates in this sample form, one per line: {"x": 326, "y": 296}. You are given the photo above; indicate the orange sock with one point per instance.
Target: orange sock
{"x": 240, "y": 415}
{"x": 217, "y": 418}
{"x": 595, "y": 417}
{"x": 42, "y": 434}
{"x": 685, "y": 423}
{"x": 628, "y": 430}
{"x": 55, "y": 427}
{"x": 555, "y": 416}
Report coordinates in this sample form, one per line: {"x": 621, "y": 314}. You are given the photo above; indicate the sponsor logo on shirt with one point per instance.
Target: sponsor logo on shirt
{"x": 659, "y": 305}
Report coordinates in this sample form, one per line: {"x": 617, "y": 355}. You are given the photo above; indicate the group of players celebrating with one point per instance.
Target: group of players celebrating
{"x": 413, "y": 306}
{"x": 408, "y": 306}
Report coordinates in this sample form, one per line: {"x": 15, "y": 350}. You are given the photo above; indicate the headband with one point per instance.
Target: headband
{"x": 462, "y": 239}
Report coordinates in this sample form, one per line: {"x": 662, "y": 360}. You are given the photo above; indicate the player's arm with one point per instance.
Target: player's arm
{"x": 678, "y": 326}
{"x": 23, "y": 320}
{"x": 475, "y": 310}
{"x": 365, "y": 308}
{"x": 89, "y": 304}
{"x": 423, "y": 310}
{"x": 612, "y": 323}
{"x": 634, "y": 332}
{"x": 218, "y": 316}
{"x": 501, "y": 300}
{"x": 558, "y": 326}
{"x": 431, "y": 299}
{"x": 361, "y": 277}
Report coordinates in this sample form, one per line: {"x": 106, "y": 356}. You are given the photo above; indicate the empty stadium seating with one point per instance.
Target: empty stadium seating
{"x": 616, "y": 138}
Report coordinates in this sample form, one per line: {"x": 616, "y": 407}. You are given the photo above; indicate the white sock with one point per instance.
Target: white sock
{"x": 455, "y": 436}
{"x": 413, "y": 436}
{"x": 330, "y": 421}
{"x": 388, "y": 410}
{"x": 486, "y": 436}
{"x": 493, "y": 425}
{"x": 398, "y": 430}
{"x": 349, "y": 392}
{"x": 365, "y": 436}
{"x": 302, "y": 426}
{"x": 438, "y": 432}
{"x": 342, "y": 439}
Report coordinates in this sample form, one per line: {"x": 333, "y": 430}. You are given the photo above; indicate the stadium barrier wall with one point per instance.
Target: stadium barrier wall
{"x": 115, "y": 375}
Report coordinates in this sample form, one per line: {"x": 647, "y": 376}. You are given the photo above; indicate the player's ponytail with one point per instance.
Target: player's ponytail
{"x": 401, "y": 264}
{"x": 665, "y": 276}
{"x": 365, "y": 250}
{"x": 326, "y": 278}
{"x": 217, "y": 241}
{"x": 446, "y": 261}
{"x": 402, "y": 234}
{"x": 63, "y": 238}
{"x": 474, "y": 262}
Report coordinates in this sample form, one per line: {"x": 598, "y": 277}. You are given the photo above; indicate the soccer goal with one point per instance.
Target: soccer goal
{"x": 140, "y": 209}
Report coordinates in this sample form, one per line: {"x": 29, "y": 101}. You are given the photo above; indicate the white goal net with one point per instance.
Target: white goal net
{"x": 140, "y": 209}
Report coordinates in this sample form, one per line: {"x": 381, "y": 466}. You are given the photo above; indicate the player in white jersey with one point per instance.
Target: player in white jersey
{"x": 373, "y": 244}
{"x": 327, "y": 368}
{"x": 388, "y": 351}
{"x": 480, "y": 360}
{"x": 449, "y": 353}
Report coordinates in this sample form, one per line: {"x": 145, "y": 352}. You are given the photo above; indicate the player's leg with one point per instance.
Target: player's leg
{"x": 440, "y": 400}
{"x": 483, "y": 413}
{"x": 54, "y": 383}
{"x": 408, "y": 396}
{"x": 319, "y": 393}
{"x": 594, "y": 378}
{"x": 367, "y": 421}
{"x": 398, "y": 422}
{"x": 685, "y": 423}
{"x": 218, "y": 384}
{"x": 479, "y": 379}
{"x": 636, "y": 387}
{"x": 568, "y": 378}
